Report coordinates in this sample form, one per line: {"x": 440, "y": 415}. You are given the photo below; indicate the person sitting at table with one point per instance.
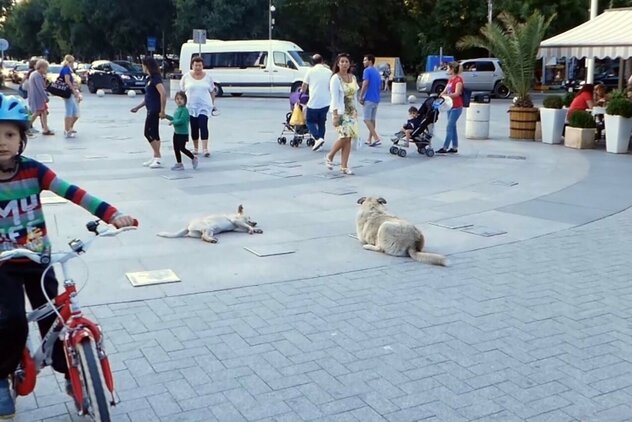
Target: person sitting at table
{"x": 582, "y": 101}
{"x": 599, "y": 97}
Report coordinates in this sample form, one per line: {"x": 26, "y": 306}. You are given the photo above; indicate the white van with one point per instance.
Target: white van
{"x": 240, "y": 67}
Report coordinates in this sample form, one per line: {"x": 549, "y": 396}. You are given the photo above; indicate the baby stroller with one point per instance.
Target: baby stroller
{"x": 297, "y": 132}
{"x": 422, "y": 134}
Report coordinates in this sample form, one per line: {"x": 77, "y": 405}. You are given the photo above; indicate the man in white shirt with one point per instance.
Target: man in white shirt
{"x": 317, "y": 85}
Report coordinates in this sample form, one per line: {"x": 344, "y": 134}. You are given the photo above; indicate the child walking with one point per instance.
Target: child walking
{"x": 180, "y": 122}
{"x": 23, "y": 225}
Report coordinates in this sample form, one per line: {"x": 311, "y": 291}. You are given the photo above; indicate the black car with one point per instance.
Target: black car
{"x": 119, "y": 76}
{"x": 610, "y": 80}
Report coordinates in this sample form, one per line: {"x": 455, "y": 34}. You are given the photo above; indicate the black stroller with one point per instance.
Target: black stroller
{"x": 297, "y": 132}
{"x": 422, "y": 134}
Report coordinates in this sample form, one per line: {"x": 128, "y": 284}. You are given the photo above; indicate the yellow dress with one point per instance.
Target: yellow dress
{"x": 349, "y": 119}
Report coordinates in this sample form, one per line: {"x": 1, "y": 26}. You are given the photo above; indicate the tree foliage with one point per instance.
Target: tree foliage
{"x": 516, "y": 44}
{"x": 410, "y": 29}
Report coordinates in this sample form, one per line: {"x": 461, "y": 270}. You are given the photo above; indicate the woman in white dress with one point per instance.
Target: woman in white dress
{"x": 200, "y": 91}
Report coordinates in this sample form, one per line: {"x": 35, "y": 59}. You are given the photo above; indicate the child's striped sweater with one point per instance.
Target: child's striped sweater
{"x": 22, "y": 221}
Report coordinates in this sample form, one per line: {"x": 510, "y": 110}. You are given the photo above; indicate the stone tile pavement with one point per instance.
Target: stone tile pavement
{"x": 537, "y": 330}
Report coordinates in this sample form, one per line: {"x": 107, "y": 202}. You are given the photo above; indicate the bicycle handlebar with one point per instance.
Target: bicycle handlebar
{"x": 77, "y": 246}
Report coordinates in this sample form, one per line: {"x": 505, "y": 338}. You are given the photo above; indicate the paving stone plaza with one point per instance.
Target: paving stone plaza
{"x": 529, "y": 322}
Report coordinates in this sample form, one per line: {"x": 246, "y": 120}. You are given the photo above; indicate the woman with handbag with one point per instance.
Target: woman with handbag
{"x": 454, "y": 90}
{"x": 38, "y": 97}
{"x": 71, "y": 103}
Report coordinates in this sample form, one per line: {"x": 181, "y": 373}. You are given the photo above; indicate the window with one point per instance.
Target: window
{"x": 479, "y": 66}
{"x": 280, "y": 59}
{"x": 242, "y": 59}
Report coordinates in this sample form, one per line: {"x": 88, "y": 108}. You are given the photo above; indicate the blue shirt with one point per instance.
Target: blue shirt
{"x": 152, "y": 96}
{"x": 66, "y": 70}
{"x": 375, "y": 84}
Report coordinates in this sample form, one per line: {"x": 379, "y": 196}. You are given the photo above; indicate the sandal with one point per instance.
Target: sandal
{"x": 346, "y": 170}
{"x": 207, "y": 154}
{"x": 48, "y": 132}
{"x": 329, "y": 163}
{"x": 195, "y": 152}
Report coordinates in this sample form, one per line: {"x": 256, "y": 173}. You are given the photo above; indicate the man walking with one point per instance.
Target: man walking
{"x": 317, "y": 85}
{"x": 370, "y": 97}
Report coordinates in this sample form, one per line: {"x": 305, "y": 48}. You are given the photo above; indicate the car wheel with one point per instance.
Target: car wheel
{"x": 218, "y": 90}
{"x": 501, "y": 90}
{"x": 437, "y": 87}
{"x": 117, "y": 87}
{"x": 91, "y": 87}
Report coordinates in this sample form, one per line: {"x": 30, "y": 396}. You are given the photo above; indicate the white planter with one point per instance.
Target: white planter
{"x": 552, "y": 120}
{"x": 618, "y": 131}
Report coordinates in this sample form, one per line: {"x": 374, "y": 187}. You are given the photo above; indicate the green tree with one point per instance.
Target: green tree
{"x": 516, "y": 44}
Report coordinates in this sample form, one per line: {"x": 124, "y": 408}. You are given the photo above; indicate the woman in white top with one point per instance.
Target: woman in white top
{"x": 344, "y": 89}
{"x": 200, "y": 91}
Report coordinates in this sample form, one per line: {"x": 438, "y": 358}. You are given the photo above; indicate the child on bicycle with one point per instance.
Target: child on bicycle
{"x": 22, "y": 225}
{"x": 180, "y": 123}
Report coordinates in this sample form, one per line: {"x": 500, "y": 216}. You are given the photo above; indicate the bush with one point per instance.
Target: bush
{"x": 553, "y": 101}
{"x": 582, "y": 119}
{"x": 617, "y": 94}
{"x": 620, "y": 107}
{"x": 567, "y": 99}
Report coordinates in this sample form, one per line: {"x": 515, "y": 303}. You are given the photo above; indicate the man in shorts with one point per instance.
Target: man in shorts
{"x": 370, "y": 97}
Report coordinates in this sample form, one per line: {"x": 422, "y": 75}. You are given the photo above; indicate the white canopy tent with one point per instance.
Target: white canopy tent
{"x": 607, "y": 35}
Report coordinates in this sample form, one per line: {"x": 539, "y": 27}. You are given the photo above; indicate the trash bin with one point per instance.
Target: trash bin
{"x": 477, "y": 117}
{"x": 398, "y": 92}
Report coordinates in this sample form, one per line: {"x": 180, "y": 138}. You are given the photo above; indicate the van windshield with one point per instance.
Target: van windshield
{"x": 301, "y": 58}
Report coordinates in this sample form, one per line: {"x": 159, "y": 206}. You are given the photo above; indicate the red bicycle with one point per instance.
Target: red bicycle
{"x": 88, "y": 364}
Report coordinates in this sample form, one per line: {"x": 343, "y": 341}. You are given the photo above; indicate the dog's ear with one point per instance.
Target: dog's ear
{"x": 381, "y": 200}
{"x": 361, "y": 200}
{"x": 240, "y": 209}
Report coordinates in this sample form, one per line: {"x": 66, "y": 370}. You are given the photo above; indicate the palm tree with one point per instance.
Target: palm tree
{"x": 516, "y": 45}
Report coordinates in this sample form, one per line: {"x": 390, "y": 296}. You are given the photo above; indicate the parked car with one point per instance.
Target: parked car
{"x": 119, "y": 76}
{"x": 18, "y": 73}
{"x": 610, "y": 80}
{"x": 53, "y": 74}
{"x": 7, "y": 65}
{"x": 479, "y": 75}
{"x": 82, "y": 70}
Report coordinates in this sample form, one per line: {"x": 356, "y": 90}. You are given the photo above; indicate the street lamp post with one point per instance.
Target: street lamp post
{"x": 590, "y": 61}
{"x": 271, "y": 9}
{"x": 490, "y": 8}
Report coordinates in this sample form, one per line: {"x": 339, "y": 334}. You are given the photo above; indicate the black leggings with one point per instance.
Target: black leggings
{"x": 151, "y": 126}
{"x": 180, "y": 146}
{"x": 199, "y": 126}
{"x": 14, "y": 280}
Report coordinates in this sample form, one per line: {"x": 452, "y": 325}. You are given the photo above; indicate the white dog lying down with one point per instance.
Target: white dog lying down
{"x": 381, "y": 232}
{"x": 206, "y": 228}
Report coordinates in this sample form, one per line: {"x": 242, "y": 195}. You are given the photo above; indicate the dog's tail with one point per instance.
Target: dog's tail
{"x": 425, "y": 257}
{"x": 181, "y": 233}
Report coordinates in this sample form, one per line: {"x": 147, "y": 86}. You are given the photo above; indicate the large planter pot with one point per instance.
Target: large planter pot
{"x": 522, "y": 122}
{"x": 552, "y": 125}
{"x": 579, "y": 138}
{"x": 618, "y": 131}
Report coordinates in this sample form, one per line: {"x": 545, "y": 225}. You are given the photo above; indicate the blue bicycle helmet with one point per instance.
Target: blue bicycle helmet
{"x": 14, "y": 109}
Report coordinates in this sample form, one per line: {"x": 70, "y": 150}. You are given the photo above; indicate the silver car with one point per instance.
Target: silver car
{"x": 479, "y": 75}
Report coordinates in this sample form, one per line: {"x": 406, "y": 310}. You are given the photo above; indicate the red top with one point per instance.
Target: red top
{"x": 457, "y": 102}
{"x": 580, "y": 102}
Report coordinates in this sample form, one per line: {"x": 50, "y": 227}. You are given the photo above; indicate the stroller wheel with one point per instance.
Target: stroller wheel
{"x": 283, "y": 140}
{"x": 292, "y": 142}
{"x": 421, "y": 149}
{"x": 393, "y": 150}
{"x": 279, "y": 141}
{"x": 310, "y": 142}
{"x": 402, "y": 153}
{"x": 430, "y": 152}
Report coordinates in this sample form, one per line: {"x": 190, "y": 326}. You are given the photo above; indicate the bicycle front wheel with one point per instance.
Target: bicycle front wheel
{"x": 95, "y": 402}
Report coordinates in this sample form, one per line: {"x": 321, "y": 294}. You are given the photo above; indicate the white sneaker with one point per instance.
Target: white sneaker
{"x": 148, "y": 162}
{"x": 155, "y": 164}
{"x": 318, "y": 144}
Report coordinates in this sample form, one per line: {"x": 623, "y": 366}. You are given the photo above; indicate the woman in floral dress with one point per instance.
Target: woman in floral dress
{"x": 344, "y": 88}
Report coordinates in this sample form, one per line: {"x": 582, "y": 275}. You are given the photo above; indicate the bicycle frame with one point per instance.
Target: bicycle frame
{"x": 70, "y": 325}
